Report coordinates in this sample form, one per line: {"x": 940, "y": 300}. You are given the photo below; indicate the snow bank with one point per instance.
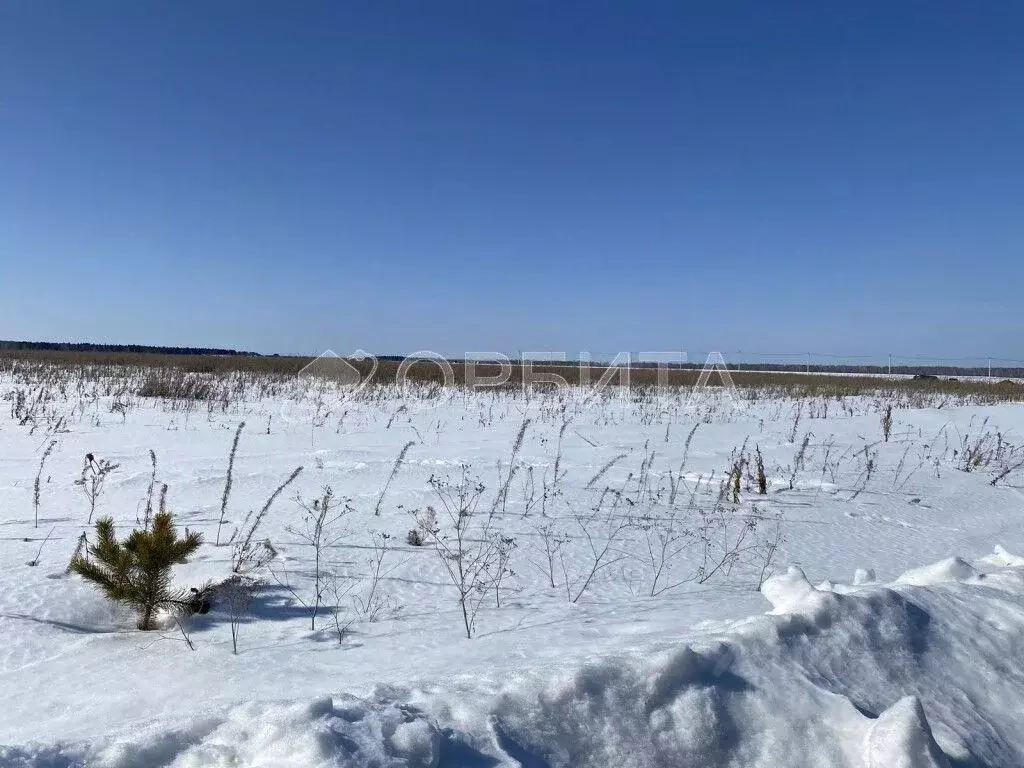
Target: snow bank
{"x": 927, "y": 672}
{"x": 952, "y": 569}
{"x": 342, "y": 731}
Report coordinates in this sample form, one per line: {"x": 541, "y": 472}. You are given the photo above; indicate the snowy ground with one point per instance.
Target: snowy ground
{"x": 923, "y": 669}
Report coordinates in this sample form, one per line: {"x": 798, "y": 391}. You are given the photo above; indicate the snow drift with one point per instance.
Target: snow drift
{"x": 925, "y": 672}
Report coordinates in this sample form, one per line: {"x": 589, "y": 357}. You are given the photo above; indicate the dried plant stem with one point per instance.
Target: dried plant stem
{"x": 227, "y": 483}
{"x": 39, "y": 474}
{"x": 149, "y": 491}
{"x": 394, "y": 471}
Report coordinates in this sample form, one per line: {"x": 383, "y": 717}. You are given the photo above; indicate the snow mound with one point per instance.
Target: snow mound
{"x": 923, "y": 673}
{"x": 950, "y": 569}
{"x": 821, "y": 681}
{"x": 863, "y": 576}
{"x": 321, "y": 733}
{"x": 1000, "y": 558}
{"x": 788, "y": 590}
{"x": 324, "y": 733}
{"x": 901, "y": 738}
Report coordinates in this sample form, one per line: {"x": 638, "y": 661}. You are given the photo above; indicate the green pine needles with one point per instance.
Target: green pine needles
{"x": 137, "y": 572}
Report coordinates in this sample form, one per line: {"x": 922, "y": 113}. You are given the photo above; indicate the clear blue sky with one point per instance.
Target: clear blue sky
{"x": 773, "y": 176}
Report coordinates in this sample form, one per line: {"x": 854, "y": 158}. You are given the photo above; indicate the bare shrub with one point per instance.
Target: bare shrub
{"x": 976, "y": 450}
{"x": 94, "y": 475}
{"x": 467, "y": 543}
{"x": 666, "y": 536}
{"x": 725, "y": 540}
{"x": 600, "y": 528}
{"x": 551, "y": 542}
{"x": 236, "y": 594}
{"x": 1012, "y": 461}
{"x": 414, "y": 538}
{"x": 375, "y": 602}
{"x": 768, "y": 549}
{"x": 337, "y": 587}
{"x": 319, "y": 532}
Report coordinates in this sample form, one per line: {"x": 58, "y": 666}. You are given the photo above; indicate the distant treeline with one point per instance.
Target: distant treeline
{"x": 908, "y": 370}
{"x": 830, "y": 368}
{"x": 202, "y": 359}
{"x": 142, "y": 349}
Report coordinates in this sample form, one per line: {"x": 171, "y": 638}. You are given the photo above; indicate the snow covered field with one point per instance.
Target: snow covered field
{"x": 631, "y": 559}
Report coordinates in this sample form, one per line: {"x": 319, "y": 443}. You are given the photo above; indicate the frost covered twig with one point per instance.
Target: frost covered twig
{"x": 94, "y": 475}
{"x": 471, "y": 550}
{"x": 394, "y": 471}
{"x": 249, "y": 555}
{"x": 39, "y": 474}
{"x": 228, "y": 481}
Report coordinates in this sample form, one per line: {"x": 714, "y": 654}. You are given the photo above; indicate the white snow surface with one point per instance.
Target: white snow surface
{"x": 889, "y": 662}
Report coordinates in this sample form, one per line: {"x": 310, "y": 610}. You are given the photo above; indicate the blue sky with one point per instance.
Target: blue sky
{"x": 503, "y": 176}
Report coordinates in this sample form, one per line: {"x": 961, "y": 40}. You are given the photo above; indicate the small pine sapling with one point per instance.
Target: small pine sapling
{"x": 137, "y": 571}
